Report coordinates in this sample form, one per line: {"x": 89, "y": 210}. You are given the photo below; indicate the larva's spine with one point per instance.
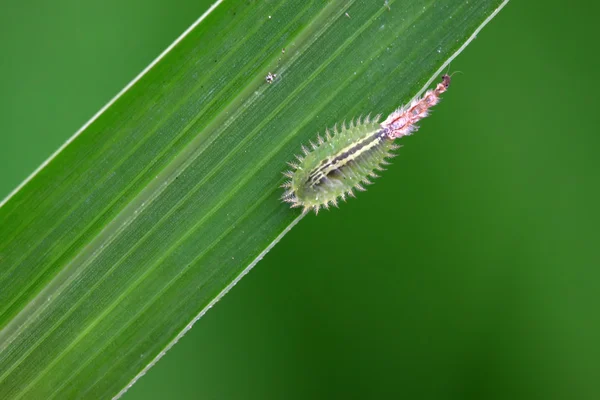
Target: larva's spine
{"x": 345, "y": 160}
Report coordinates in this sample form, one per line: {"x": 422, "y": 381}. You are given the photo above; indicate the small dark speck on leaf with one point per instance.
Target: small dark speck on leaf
{"x": 270, "y": 77}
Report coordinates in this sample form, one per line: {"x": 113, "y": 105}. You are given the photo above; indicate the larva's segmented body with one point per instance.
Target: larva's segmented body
{"x": 345, "y": 160}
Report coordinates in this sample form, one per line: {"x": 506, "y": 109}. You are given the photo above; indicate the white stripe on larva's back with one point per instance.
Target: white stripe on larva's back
{"x": 344, "y": 156}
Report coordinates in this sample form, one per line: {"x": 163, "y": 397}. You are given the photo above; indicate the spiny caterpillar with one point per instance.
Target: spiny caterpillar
{"x": 345, "y": 160}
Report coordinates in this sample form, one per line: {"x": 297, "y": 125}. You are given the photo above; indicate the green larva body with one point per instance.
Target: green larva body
{"x": 337, "y": 165}
{"x": 347, "y": 159}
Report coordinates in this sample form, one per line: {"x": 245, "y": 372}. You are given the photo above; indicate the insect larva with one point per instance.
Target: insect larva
{"x": 345, "y": 160}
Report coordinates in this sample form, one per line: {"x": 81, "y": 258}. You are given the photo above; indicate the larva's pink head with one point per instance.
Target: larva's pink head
{"x": 443, "y": 85}
{"x": 446, "y": 81}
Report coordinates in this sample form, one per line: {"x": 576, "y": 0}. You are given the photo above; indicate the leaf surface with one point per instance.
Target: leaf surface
{"x": 161, "y": 203}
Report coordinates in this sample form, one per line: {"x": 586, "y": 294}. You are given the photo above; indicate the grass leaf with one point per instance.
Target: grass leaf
{"x": 151, "y": 212}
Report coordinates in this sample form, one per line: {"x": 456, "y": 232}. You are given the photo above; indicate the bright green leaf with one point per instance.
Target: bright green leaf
{"x": 159, "y": 205}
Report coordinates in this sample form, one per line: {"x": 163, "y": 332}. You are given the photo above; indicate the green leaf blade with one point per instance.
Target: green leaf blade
{"x": 163, "y": 201}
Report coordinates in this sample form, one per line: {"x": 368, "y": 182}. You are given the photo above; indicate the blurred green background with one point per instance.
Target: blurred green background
{"x": 470, "y": 271}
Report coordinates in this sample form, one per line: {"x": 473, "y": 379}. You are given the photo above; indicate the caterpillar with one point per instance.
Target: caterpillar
{"x": 345, "y": 160}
